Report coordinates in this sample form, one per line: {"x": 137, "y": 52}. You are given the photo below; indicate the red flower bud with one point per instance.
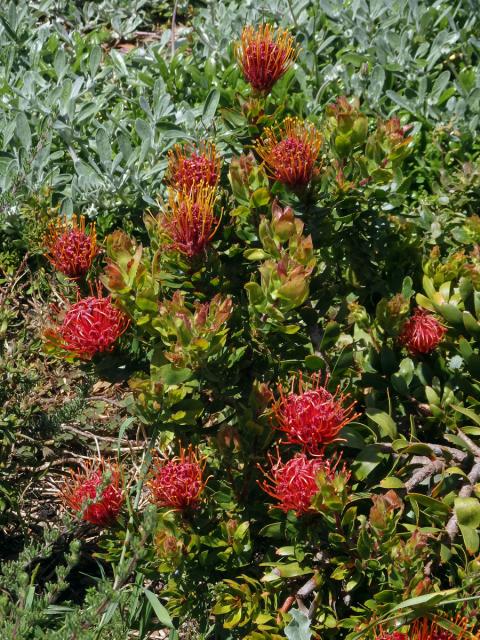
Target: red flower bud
{"x": 421, "y": 333}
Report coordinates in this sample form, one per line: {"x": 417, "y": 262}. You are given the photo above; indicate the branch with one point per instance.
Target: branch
{"x": 438, "y": 449}
{"x": 465, "y": 492}
{"x": 429, "y": 468}
{"x": 475, "y": 449}
{"x": 303, "y": 592}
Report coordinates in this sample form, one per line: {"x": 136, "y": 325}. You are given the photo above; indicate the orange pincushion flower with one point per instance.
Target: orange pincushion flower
{"x": 264, "y": 55}
{"x": 89, "y": 326}
{"x": 189, "y": 222}
{"x": 290, "y": 154}
{"x": 70, "y": 246}
{"x": 190, "y": 167}
{"x": 421, "y": 333}
{"x": 311, "y": 416}
{"x": 293, "y": 484}
{"x": 95, "y": 494}
{"x": 178, "y": 482}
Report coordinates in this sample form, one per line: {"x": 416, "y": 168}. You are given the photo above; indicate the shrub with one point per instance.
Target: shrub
{"x": 278, "y": 267}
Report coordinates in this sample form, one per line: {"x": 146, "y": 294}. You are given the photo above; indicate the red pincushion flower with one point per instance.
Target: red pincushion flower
{"x": 294, "y": 483}
{"x": 426, "y": 629}
{"x": 197, "y": 167}
{"x": 430, "y": 629}
{"x": 178, "y": 482}
{"x": 70, "y": 247}
{"x": 189, "y": 222}
{"x": 291, "y": 153}
{"x": 95, "y": 494}
{"x": 264, "y": 55}
{"x": 90, "y": 326}
{"x": 421, "y": 333}
{"x": 311, "y": 416}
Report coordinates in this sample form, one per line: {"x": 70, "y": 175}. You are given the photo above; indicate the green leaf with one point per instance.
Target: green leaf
{"x": 435, "y": 506}
{"x": 424, "y": 601}
{"x": 391, "y": 482}
{"x": 467, "y": 412}
{"x": 22, "y": 131}
{"x": 170, "y": 375}
{"x": 210, "y": 107}
{"x": 467, "y": 511}
{"x": 471, "y": 324}
{"x": 144, "y": 130}
{"x": 470, "y": 538}
{"x": 160, "y": 611}
{"x": 401, "y": 101}
{"x": 299, "y": 627}
{"x": 387, "y": 425}
{"x": 367, "y": 460}
{"x": 260, "y": 197}
{"x": 94, "y": 59}
{"x": 451, "y": 313}
{"x": 104, "y": 149}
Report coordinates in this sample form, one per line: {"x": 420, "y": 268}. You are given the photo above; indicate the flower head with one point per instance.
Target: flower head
{"x": 264, "y": 55}
{"x": 70, "y": 246}
{"x": 422, "y": 332}
{"x": 192, "y": 167}
{"x": 95, "y": 494}
{"x": 89, "y": 326}
{"x": 189, "y": 222}
{"x": 291, "y": 153}
{"x": 394, "y": 635}
{"x": 310, "y": 415}
{"x": 178, "y": 482}
{"x": 295, "y": 483}
{"x": 431, "y": 629}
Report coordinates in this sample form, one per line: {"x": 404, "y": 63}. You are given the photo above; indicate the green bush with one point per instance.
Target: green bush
{"x": 293, "y": 448}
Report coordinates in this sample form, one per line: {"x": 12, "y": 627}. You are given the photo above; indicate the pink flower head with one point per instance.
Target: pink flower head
{"x": 95, "y": 494}
{"x": 421, "y": 333}
{"x": 310, "y": 415}
{"x": 178, "y": 482}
